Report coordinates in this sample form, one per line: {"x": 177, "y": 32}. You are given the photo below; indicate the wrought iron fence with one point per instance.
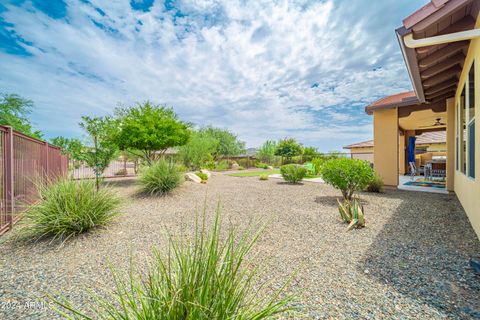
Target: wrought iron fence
{"x": 80, "y": 170}
{"x": 24, "y": 161}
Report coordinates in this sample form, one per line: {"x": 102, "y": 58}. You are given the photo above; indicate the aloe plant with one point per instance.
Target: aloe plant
{"x": 352, "y": 212}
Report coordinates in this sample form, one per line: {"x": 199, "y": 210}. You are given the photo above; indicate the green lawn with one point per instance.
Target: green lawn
{"x": 267, "y": 172}
{"x": 254, "y": 173}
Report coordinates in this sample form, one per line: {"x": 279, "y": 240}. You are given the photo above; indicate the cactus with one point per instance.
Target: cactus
{"x": 352, "y": 212}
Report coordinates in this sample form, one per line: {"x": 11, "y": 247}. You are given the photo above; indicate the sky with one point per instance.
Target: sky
{"x": 262, "y": 69}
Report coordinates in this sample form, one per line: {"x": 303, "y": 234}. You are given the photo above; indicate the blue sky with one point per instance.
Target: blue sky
{"x": 263, "y": 69}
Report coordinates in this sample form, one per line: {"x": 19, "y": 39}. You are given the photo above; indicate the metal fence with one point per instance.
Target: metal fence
{"x": 80, "y": 170}
{"x": 24, "y": 161}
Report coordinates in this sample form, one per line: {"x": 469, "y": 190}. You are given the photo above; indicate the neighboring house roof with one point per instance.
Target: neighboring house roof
{"x": 425, "y": 138}
{"x": 395, "y": 100}
{"x": 363, "y": 144}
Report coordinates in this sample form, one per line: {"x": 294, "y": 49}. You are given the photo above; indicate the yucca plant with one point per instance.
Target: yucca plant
{"x": 205, "y": 278}
{"x": 67, "y": 208}
{"x": 161, "y": 177}
{"x": 352, "y": 212}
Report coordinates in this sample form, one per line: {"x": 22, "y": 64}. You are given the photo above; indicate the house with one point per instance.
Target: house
{"x": 440, "y": 44}
{"x": 428, "y": 145}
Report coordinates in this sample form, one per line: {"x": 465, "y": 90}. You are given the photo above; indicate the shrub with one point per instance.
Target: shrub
{"x": 293, "y": 172}
{"x": 203, "y": 278}
{"x": 376, "y": 184}
{"x": 202, "y": 176}
{"x": 246, "y": 162}
{"x": 347, "y": 175}
{"x": 241, "y": 168}
{"x": 161, "y": 177}
{"x": 222, "y": 165}
{"x": 181, "y": 168}
{"x": 318, "y": 163}
{"x": 264, "y": 177}
{"x": 261, "y": 165}
{"x": 67, "y": 208}
{"x": 352, "y": 212}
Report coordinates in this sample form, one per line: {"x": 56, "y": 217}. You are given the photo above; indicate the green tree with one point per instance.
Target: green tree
{"x": 198, "y": 150}
{"x": 309, "y": 153}
{"x": 266, "y": 152}
{"x": 101, "y": 152}
{"x": 71, "y": 146}
{"x": 148, "y": 130}
{"x": 288, "y": 148}
{"x": 227, "y": 143}
{"x": 14, "y": 112}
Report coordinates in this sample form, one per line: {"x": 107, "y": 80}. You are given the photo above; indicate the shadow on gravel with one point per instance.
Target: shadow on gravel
{"x": 290, "y": 183}
{"x": 424, "y": 251}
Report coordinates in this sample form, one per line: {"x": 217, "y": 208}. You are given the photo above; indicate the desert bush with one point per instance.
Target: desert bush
{"x": 376, "y": 184}
{"x": 293, "y": 173}
{"x": 161, "y": 177}
{"x": 222, "y": 165}
{"x": 201, "y": 278}
{"x": 261, "y": 165}
{"x": 347, "y": 175}
{"x": 246, "y": 162}
{"x": 264, "y": 177}
{"x": 67, "y": 208}
{"x": 202, "y": 176}
{"x": 266, "y": 152}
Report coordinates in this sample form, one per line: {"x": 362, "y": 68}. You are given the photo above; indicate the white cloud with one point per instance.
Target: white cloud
{"x": 245, "y": 65}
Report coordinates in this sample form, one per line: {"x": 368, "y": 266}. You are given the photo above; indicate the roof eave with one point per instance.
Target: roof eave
{"x": 411, "y": 62}
{"x": 405, "y": 103}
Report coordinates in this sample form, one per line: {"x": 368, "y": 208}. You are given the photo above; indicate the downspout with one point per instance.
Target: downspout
{"x": 446, "y": 38}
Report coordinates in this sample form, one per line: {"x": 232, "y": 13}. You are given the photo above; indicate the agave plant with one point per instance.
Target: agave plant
{"x": 352, "y": 212}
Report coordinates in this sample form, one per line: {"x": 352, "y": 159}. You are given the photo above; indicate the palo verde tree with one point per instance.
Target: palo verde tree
{"x": 227, "y": 143}
{"x": 14, "y": 112}
{"x": 101, "y": 151}
{"x": 288, "y": 148}
{"x": 148, "y": 130}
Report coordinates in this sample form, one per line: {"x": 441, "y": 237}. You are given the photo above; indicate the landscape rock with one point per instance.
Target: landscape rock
{"x": 191, "y": 176}
{"x": 235, "y": 166}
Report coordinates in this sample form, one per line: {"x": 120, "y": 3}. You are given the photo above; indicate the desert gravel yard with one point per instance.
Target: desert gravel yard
{"x": 410, "y": 262}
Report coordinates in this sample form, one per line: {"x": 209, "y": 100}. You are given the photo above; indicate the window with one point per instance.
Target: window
{"x": 463, "y": 136}
{"x": 471, "y": 122}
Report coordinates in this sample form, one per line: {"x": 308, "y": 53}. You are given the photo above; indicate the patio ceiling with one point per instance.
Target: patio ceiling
{"x": 435, "y": 70}
{"x": 423, "y": 120}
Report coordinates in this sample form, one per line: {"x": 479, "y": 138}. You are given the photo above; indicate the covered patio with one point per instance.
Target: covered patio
{"x": 400, "y": 120}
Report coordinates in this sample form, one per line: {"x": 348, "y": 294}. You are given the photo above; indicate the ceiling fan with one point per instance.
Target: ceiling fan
{"x": 437, "y": 123}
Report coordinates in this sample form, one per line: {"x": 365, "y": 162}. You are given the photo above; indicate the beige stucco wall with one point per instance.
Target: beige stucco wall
{"x": 468, "y": 189}
{"x": 385, "y": 136}
{"x": 362, "y": 153}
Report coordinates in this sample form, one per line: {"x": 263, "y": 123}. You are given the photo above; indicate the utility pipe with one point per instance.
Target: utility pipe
{"x": 446, "y": 38}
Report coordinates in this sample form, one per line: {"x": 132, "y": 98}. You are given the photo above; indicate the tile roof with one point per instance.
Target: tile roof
{"x": 395, "y": 100}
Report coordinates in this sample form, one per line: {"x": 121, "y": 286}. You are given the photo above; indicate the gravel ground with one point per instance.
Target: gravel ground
{"x": 410, "y": 262}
